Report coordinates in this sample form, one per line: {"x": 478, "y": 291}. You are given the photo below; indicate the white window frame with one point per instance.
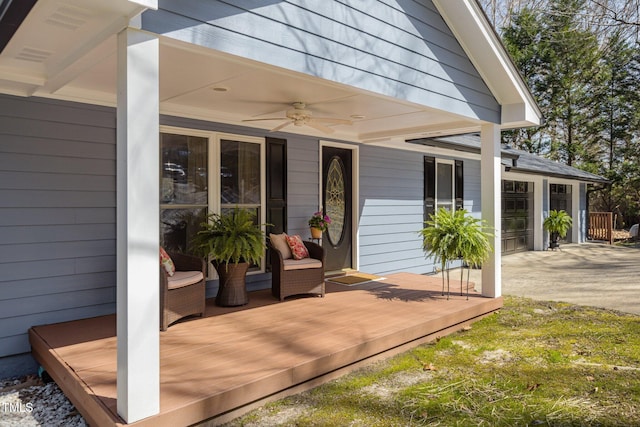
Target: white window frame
{"x": 214, "y": 167}
{"x": 452, "y": 201}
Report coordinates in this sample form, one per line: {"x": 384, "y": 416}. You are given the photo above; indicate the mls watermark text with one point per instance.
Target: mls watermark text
{"x": 11, "y": 407}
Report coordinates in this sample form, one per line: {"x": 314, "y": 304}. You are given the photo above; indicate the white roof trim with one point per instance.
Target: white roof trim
{"x": 479, "y": 40}
{"x": 149, "y": 4}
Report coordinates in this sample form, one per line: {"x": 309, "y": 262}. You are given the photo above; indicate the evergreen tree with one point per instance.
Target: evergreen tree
{"x": 523, "y": 40}
{"x": 571, "y": 81}
{"x": 618, "y": 129}
{"x": 587, "y": 83}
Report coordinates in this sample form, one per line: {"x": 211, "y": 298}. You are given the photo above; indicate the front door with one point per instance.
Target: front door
{"x": 337, "y": 203}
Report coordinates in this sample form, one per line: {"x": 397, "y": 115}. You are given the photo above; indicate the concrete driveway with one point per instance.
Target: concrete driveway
{"x": 592, "y": 274}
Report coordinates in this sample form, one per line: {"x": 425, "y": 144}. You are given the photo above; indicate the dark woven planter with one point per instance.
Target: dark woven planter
{"x": 232, "y": 290}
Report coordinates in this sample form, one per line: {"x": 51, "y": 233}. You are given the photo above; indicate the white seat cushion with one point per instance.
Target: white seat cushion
{"x": 301, "y": 264}
{"x": 184, "y": 278}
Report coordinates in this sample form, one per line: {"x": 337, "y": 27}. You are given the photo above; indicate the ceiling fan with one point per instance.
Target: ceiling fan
{"x": 300, "y": 116}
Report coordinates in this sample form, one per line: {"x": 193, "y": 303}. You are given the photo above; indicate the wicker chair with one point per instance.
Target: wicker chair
{"x": 182, "y": 294}
{"x": 296, "y": 277}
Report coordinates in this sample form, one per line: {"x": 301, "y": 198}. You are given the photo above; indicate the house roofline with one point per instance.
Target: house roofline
{"x": 479, "y": 39}
{"x": 471, "y": 144}
{"x": 439, "y": 143}
{"x": 558, "y": 175}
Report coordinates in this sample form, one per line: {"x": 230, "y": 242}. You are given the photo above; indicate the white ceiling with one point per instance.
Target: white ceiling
{"x": 66, "y": 49}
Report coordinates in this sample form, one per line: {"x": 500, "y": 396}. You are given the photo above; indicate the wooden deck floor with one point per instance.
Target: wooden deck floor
{"x": 236, "y": 358}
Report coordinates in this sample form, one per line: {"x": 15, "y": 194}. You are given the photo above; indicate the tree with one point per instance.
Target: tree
{"x": 559, "y": 60}
{"x": 572, "y": 78}
{"x": 523, "y": 40}
{"x": 581, "y": 60}
{"x": 601, "y": 17}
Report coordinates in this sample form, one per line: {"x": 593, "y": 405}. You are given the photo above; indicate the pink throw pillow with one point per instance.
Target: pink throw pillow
{"x": 167, "y": 262}
{"x": 298, "y": 249}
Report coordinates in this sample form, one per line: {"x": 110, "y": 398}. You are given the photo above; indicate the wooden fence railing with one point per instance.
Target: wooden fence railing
{"x": 601, "y": 226}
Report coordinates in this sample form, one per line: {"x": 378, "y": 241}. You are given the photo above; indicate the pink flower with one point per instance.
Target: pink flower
{"x": 318, "y": 220}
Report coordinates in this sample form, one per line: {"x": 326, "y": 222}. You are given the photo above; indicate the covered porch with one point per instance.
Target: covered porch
{"x": 226, "y": 68}
{"x": 235, "y": 359}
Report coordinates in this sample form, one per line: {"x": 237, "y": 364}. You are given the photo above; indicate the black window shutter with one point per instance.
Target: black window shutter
{"x": 459, "y": 175}
{"x": 429, "y": 187}
{"x": 276, "y": 185}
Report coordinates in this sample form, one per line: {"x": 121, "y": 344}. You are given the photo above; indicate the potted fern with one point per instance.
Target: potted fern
{"x": 232, "y": 241}
{"x": 557, "y": 224}
{"x": 456, "y": 235}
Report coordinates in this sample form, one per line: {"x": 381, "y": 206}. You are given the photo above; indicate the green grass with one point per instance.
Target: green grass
{"x": 530, "y": 364}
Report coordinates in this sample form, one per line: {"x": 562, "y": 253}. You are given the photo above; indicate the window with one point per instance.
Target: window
{"x": 183, "y": 188}
{"x": 560, "y": 197}
{"x": 443, "y": 185}
{"x": 204, "y": 172}
{"x": 240, "y": 176}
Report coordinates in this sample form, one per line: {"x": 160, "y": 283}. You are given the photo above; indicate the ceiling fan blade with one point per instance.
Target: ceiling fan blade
{"x": 321, "y": 128}
{"x": 300, "y": 116}
{"x": 283, "y": 125}
{"x": 332, "y": 121}
{"x": 269, "y": 118}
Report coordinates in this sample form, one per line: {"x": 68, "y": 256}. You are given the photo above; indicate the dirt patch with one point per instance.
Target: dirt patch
{"x": 497, "y": 357}
{"x": 388, "y": 387}
{"x": 278, "y": 417}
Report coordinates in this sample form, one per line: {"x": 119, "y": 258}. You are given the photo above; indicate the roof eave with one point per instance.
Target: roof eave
{"x": 594, "y": 180}
{"x": 447, "y": 145}
{"x": 61, "y": 57}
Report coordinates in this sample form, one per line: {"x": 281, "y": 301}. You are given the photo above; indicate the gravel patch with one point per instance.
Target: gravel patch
{"x": 28, "y": 401}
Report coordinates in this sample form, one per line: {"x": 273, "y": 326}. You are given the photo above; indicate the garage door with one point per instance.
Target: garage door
{"x": 517, "y": 216}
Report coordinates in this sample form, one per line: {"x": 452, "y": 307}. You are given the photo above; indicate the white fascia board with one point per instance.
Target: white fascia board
{"x": 477, "y": 37}
{"x": 520, "y": 115}
{"x": 149, "y": 4}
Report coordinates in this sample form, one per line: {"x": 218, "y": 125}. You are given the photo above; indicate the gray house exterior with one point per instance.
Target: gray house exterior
{"x": 95, "y": 98}
{"x": 532, "y": 185}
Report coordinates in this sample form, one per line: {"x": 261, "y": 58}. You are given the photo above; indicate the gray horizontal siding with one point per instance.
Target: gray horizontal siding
{"x": 398, "y": 49}
{"x": 472, "y": 189}
{"x": 303, "y": 187}
{"x": 69, "y": 310}
{"x": 57, "y": 215}
{"x": 391, "y": 209}
{"x": 391, "y": 213}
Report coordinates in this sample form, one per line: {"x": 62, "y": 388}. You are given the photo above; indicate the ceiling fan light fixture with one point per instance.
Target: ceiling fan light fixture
{"x": 299, "y": 115}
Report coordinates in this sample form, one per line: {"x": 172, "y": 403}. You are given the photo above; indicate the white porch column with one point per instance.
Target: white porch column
{"x": 138, "y": 318}
{"x": 575, "y": 213}
{"x": 538, "y": 215}
{"x": 491, "y": 194}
